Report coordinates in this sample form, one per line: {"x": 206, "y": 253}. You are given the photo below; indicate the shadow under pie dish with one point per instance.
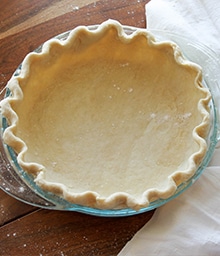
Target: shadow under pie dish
{"x": 108, "y": 120}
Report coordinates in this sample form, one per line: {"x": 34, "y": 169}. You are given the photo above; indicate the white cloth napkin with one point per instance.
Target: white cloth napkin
{"x": 199, "y": 19}
{"x": 190, "y": 224}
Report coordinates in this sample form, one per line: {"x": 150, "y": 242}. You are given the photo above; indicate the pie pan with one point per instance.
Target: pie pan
{"x": 20, "y": 184}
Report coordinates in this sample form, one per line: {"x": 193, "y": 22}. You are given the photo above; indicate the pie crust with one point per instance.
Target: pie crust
{"x": 108, "y": 120}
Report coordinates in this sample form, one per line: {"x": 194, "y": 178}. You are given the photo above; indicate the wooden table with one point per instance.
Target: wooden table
{"x": 25, "y": 229}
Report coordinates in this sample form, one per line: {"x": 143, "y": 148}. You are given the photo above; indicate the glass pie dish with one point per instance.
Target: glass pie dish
{"x": 18, "y": 183}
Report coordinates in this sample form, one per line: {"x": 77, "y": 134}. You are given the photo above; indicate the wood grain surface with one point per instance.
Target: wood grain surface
{"x": 27, "y": 230}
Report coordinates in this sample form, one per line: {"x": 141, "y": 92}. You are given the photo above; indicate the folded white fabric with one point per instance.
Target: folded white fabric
{"x": 190, "y": 224}
{"x": 199, "y": 19}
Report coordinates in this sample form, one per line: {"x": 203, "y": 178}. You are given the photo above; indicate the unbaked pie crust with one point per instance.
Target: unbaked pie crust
{"x": 108, "y": 120}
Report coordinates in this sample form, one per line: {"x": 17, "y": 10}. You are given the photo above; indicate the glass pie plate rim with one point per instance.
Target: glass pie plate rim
{"x": 20, "y": 185}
